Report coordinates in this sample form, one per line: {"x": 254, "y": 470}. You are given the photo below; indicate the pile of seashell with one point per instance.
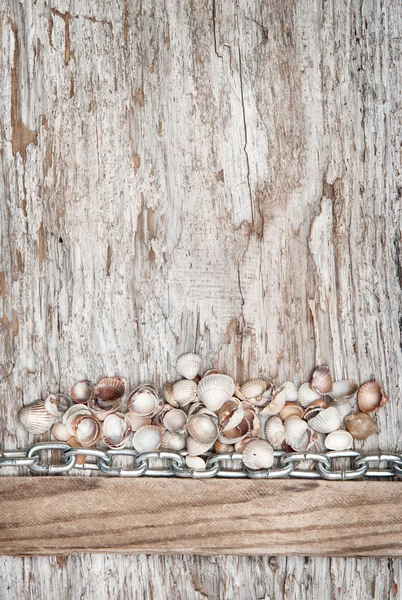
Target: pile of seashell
{"x": 210, "y": 414}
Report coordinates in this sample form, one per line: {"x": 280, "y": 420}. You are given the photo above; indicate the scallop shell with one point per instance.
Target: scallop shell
{"x": 274, "y": 431}
{"x": 306, "y": 395}
{"x": 220, "y": 448}
{"x": 188, "y": 365}
{"x": 81, "y": 392}
{"x": 195, "y": 462}
{"x": 326, "y": 421}
{"x": 184, "y": 392}
{"x": 108, "y": 390}
{"x": 147, "y": 439}
{"x": 253, "y": 388}
{"x": 173, "y": 441}
{"x": 57, "y": 404}
{"x": 195, "y": 448}
{"x": 321, "y": 381}
{"x": 291, "y": 391}
{"x": 86, "y": 429}
{"x": 35, "y": 418}
{"x": 343, "y": 389}
{"x": 230, "y": 414}
{"x": 338, "y": 440}
{"x": 291, "y": 408}
{"x": 202, "y": 428}
{"x": 258, "y": 454}
{"x": 143, "y": 401}
{"x": 60, "y": 433}
{"x": 371, "y": 396}
{"x": 277, "y": 403}
{"x": 175, "y": 420}
{"x": 116, "y": 430}
{"x": 360, "y": 425}
{"x": 215, "y": 390}
{"x": 138, "y": 422}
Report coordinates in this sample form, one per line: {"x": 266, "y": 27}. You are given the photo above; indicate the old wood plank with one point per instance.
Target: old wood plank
{"x": 48, "y": 515}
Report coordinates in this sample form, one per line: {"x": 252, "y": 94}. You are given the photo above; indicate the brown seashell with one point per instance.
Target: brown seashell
{"x": 321, "y": 381}
{"x": 360, "y": 425}
{"x": 371, "y": 396}
{"x": 291, "y": 408}
{"x": 168, "y": 394}
{"x": 220, "y": 448}
{"x": 108, "y": 390}
{"x": 230, "y": 414}
{"x": 81, "y": 392}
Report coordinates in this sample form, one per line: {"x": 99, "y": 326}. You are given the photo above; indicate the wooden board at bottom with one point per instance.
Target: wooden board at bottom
{"x": 66, "y": 515}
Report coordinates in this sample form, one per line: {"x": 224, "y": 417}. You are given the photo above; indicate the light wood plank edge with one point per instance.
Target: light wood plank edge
{"x": 66, "y": 515}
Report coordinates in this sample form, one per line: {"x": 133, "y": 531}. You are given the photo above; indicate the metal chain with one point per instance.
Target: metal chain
{"x": 307, "y": 465}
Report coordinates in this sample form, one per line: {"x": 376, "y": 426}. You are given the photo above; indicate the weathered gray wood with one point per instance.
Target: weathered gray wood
{"x": 44, "y": 515}
{"x": 219, "y": 176}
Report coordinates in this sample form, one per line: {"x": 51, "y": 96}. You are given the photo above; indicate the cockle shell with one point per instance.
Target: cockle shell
{"x": 274, "y": 431}
{"x": 295, "y": 432}
{"x": 57, "y": 404}
{"x": 81, "y": 392}
{"x": 277, "y": 403}
{"x": 35, "y": 418}
{"x": 183, "y": 392}
{"x": 188, "y": 365}
{"x": 76, "y": 408}
{"x": 86, "y": 429}
{"x": 230, "y": 414}
{"x": 137, "y": 422}
{"x": 195, "y": 448}
{"x": 360, "y": 425}
{"x": 116, "y": 430}
{"x": 291, "y": 408}
{"x": 321, "y": 381}
{"x": 173, "y": 441}
{"x": 258, "y": 454}
{"x": 338, "y": 440}
{"x": 215, "y": 390}
{"x": 144, "y": 401}
{"x": 253, "y": 388}
{"x": 195, "y": 462}
{"x": 168, "y": 394}
{"x": 371, "y": 396}
{"x": 175, "y": 420}
{"x": 291, "y": 391}
{"x": 202, "y": 428}
{"x": 326, "y": 421}
{"x": 147, "y": 439}
{"x": 306, "y": 395}
{"x": 343, "y": 389}
{"x": 108, "y": 390}
{"x": 220, "y": 448}
{"x": 60, "y": 433}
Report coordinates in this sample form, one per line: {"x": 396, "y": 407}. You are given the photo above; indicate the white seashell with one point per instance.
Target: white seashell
{"x": 326, "y": 421}
{"x": 321, "y": 381}
{"x": 116, "y": 430}
{"x": 175, "y": 420}
{"x": 184, "y": 392}
{"x": 144, "y": 401}
{"x": 147, "y": 439}
{"x": 168, "y": 394}
{"x": 253, "y": 388}
{"x": 57, "y": 404}
{"x": 295, "y": 430}
{"x": 338, "y": 440}
{"x": 188, "y": 365}
{"x": 277, "y": 403}
{"x": 291, "y": 391}
{"x": 137, "y": 422}
{"x": 274, "y": 431}
{"x": 343, "y": 389}
{"x": 173, "y": 441}
{"x": 371, "y": 396}
{"x": 344, "y": 409}
{"x": 35, "y": 418}
{"x": 202, "y": 428}
{"x": 195, "y": 462}
{"x": 258, "y": 454}
{"x": 75, "y": 409}
{"x": 215, "y": 390}
{"x": 60, "y": 433}
{"x": 195, "y": 448}
{"x": 81, "y": 392}
{"x": 306, "y": 395}
{"x": 86, "y": 429}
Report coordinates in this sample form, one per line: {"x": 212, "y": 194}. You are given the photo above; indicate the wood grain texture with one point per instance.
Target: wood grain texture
{"x": 218, "y": 176}
{"x": 45, "y": 515}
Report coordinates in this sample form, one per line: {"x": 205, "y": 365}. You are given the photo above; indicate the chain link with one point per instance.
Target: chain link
{"x": 303, "y": 465}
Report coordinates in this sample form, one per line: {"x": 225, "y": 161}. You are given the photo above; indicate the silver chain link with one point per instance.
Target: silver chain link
{"x": 307, "y": 465}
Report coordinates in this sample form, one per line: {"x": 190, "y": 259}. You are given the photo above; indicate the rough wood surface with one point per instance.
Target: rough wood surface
{"x": 218, "y": 176}
{"x": 314, "y": 518}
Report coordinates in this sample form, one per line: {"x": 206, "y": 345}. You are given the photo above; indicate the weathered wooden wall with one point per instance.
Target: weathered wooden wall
{"x": 219, "y": 176}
